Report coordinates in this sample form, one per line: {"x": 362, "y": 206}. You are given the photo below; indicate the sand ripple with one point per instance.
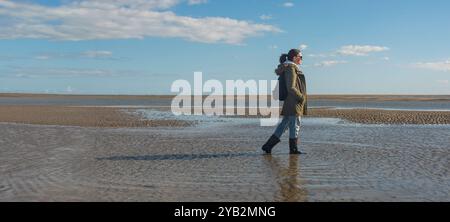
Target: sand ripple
{"x": 345, "y": 162}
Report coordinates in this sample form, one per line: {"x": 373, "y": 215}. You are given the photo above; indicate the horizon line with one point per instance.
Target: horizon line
{"x": 167, "y": 95}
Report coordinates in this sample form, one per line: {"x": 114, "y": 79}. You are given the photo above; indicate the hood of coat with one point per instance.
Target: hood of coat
{"x": 282, "y": 67}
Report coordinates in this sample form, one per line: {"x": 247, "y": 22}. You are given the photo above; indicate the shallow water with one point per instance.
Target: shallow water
{"x": 378, "y": 162}
{"x": 220, "y": 160}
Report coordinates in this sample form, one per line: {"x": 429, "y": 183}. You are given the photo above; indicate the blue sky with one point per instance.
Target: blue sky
{"x": 143, "y": 46}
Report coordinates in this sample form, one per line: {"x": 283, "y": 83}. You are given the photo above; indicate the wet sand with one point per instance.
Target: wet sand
{"x": 223, "y": 162}
{"x": 60, "y": 153}
{"x": 51, "y": 163}
{"x": 445, "y": 98}
{"x": 80, "y": 116}
{"x": 128, "y": 117}
{"x": 108, "y": 111}
{"x": 373, "y": 116}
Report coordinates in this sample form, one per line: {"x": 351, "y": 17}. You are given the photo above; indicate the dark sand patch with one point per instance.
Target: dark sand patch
{"x": 81, "y": 116}
{"x": 372, "y": 116}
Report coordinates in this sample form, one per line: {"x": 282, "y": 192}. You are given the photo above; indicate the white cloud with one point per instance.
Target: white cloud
{"x": 435, "y": 66}
{"x": 360, "y": 50}
{"x": 443, "y": 82}
{"x": 197, "y": 2}
{"x": 86, "y": 54}
{"x": 39, "y": 72}
{"x": 134, "y": 4}
{"x": 322, "y": 55}
{"x": 121, "y": 19}
{"x": 329, "y": 63}
{"x": 273, "y": 47}
{"x": 351, "y": 50}
{"x": 42, "y": 57}
{"x": 288, "y": 4}
{"x": 303, "y": 47}
{"x": 97, "y": 54}
{"x": 265, "y": 17}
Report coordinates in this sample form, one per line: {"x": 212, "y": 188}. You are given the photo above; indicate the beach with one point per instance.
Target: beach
{"x": 108, "y": 148}
{"x": 119, "y": 111}
{"x": 127, "y": 117}
{"x": 80, "y": 116}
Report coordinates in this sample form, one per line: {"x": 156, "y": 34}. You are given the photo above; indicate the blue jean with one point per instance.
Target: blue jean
{"x": 293, "y": 122}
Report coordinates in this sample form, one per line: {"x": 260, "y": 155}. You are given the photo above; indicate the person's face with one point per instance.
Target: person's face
{"x": 298, "y": 59}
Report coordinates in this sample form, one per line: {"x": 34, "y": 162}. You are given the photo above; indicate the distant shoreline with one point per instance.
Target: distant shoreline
{"x": 339, "y": 97}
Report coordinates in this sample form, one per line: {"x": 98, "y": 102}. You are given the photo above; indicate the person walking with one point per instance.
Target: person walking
{"x": 295, "y": 103}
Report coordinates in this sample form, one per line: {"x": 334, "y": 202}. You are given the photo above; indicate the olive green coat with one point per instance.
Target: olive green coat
{"x": 295, "y": 103}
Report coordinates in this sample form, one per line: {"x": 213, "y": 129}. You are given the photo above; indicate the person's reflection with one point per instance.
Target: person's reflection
{"x": 288, "y": 179}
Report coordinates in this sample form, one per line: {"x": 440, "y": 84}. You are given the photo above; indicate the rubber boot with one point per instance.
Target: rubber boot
{"x": 268, "y": 146}
{"x": 293, "y": 147}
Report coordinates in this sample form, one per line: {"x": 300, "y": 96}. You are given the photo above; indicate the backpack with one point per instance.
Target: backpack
{"x": 282, "y": 89}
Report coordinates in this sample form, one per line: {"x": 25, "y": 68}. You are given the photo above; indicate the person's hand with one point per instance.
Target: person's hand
{"x": 301, "y": 100}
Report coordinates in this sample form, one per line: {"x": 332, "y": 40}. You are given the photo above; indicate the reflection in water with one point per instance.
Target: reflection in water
{"x": 288, "y": 179}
